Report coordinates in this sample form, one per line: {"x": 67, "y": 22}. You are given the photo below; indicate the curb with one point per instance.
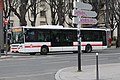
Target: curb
{"x": 5, "y": 57}
{"x": 107, "y": 72}
{"x": 57, "y": 74}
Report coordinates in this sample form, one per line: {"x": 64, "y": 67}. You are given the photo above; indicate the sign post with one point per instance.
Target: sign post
{"x": 6, "y": 27}
{"x": 83, "y": 14}
{"x": 79, "y": 39}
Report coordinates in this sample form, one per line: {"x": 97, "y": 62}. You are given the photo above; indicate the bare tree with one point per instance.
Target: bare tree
{"x": 116, "y": 11}
{"x": 20, "y": 8}
{"x": 59, "y": 10}
{"x": 111, "y": 14}
{"x": 38, "y": 6}
{"x": 33, "y": 12}
{"x": 6, "y": 8}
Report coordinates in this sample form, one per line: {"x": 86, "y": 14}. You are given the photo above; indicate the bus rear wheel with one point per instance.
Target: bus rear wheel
{"x": 88, "y": 48}
{"x": 44, "y": 50}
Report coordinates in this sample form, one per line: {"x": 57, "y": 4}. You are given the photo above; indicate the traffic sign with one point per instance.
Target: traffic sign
{"x": 76, "y": 20}
{"x": 81, "y": 5}
{"x": 5, "y": 21}
{"x": 84, "y": 13}
{"x": 88, "y": 21}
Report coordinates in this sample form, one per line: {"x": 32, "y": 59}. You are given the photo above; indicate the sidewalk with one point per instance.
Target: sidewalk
{"x": 106, "y": 72}
{"x": 5, "y": 56}
{"x": 14, "y": 55}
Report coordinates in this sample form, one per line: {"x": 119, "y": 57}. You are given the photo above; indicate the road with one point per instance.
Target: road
{"x": 44, "y": 67}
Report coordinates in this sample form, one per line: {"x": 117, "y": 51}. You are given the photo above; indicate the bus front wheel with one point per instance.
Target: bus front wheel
{"x": 88, "y": 48}
{"x": 44, "y": 50}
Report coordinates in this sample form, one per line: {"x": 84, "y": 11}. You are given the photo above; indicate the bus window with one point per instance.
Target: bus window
{"x": 55, "y": 35}
{"x": 69, "y": 36}
{"x": 91, "y": 35}
{"x": 30, "y": 36}
{"x": 43, "y": 36}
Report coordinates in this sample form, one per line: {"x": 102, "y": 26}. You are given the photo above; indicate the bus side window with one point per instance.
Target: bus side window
{"x": 40, "y": 37}
{"x": 55, "y": 35}
{"x": 30, "y": 36}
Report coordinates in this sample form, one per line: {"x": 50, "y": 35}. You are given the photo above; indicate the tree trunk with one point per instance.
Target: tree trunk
{"x": 118, "y": 35}
{"x": 22, "y": 11}
{"x": 23, "y": 21}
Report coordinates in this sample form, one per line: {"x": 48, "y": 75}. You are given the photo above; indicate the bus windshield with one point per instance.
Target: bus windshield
{"x": 17, "y": 35}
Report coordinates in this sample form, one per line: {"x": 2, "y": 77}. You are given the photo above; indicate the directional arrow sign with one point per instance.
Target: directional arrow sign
{"x": 84, "y": 20}
{"x": 81, "y": 5}
{"x": 88, "y": 21}
{"x": 84, "y": 13}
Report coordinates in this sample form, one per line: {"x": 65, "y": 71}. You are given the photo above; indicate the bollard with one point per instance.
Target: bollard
{"x": 0, "y": 51}
{"x": 97, "y": 71}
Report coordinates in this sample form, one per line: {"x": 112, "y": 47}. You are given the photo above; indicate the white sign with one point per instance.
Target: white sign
{"x": 84, "y": 13}
{"x": 84, "y": 20}
{"x": 81, "y": 5}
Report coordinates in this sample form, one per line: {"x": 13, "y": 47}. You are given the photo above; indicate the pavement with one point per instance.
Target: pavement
{"x": 10, "y": 55}
{"x": 5, "y": 57}
{"x": 105, "y": 72}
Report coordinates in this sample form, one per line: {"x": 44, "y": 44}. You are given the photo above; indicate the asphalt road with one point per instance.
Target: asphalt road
{"x": 44, "y": 67}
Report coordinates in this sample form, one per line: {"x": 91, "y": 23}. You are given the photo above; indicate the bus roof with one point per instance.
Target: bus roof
{"x": 61, "y": 27}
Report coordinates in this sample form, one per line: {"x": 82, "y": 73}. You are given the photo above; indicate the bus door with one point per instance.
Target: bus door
{"x": 56, "y": 44}
{"x": 67, "y": 39}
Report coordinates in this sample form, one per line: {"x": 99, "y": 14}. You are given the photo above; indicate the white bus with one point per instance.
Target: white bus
{"x": 49, "y": 38}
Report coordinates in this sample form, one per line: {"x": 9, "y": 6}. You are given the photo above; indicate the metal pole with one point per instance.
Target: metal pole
{"x": 79, "y": 47}
{"x": 97, "y": 71}
{"x": 79, "y": 43}
{"x": 0, "y": 51}
{"x": 6, "y": 26}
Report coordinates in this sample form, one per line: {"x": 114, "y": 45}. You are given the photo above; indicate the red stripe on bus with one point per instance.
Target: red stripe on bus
{"x": 97, "y": 45}
{"x": 13, "y": 48}
{"x": 27, "y": 46}
{"x": 34, "y": 46}
{"x": 91, "y": 45}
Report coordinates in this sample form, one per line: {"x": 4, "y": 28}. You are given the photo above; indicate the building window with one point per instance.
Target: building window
{"x": 42, "y": 13}
{"x": 42, "y": 22}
